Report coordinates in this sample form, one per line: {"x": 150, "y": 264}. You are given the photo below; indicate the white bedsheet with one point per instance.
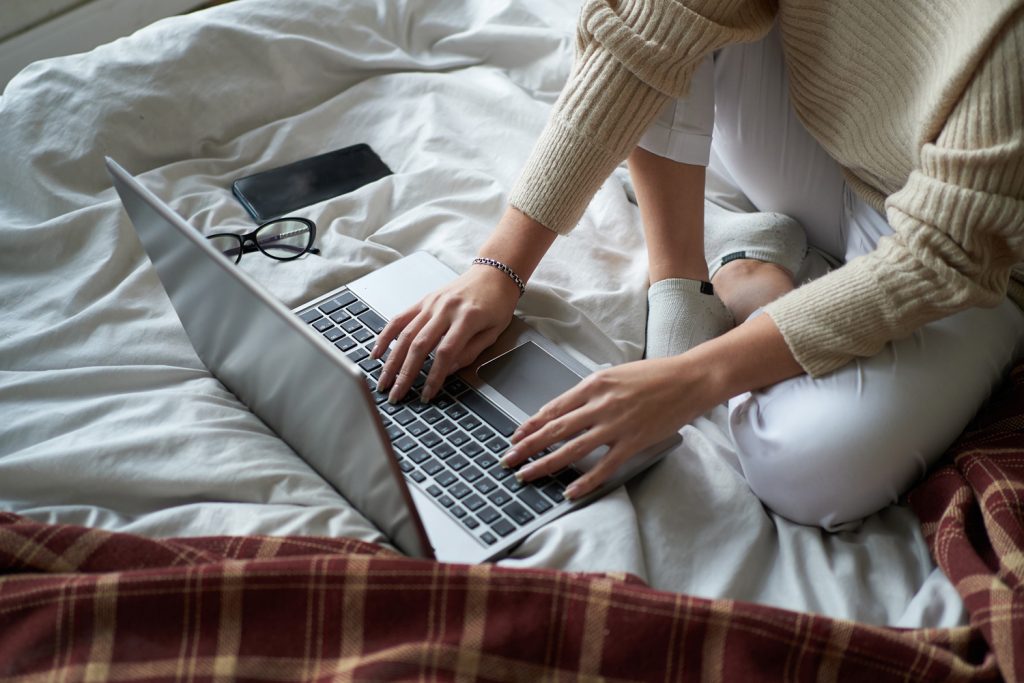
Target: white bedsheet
{"x": 109, "y": 419}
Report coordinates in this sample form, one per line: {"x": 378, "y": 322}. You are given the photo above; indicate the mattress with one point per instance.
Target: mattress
{"x": 111, "y": 421}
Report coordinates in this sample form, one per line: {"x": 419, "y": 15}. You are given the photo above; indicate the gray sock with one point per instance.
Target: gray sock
{"x": 771, "y": 237}
{"x": 682, "y": 314}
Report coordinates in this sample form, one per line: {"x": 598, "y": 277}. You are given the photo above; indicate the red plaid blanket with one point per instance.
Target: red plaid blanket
{"x": 83, "y": 604}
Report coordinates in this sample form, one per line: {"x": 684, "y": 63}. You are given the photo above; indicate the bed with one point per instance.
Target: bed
{"x": 110, "y": 421}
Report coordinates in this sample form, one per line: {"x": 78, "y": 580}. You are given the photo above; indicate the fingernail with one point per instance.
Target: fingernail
{"x": 524, "y": 472}
{"x": 506, "y": 460}
{"x": 428, "y": 393}
{"x": 572, "y": 492}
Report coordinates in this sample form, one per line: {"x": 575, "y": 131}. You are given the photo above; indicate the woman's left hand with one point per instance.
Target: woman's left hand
{"x": 627, "y": 408}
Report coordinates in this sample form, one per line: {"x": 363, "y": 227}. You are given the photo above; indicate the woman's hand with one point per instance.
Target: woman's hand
{"x": 632, "y": 406}
{"x": 466, "y": 316}
{"x": 627, "y": 408}
{"x": 460, "y": 320}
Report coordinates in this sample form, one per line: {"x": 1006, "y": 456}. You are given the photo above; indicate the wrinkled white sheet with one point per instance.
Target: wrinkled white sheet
{"x": 109, "y": 419}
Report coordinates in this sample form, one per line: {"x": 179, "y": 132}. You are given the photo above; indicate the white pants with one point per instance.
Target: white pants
{"x": 832, "y": 450}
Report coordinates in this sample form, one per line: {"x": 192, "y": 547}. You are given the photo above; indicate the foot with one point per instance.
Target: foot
{"x": 745, "y": 285}
{"x": 681, "y": 314}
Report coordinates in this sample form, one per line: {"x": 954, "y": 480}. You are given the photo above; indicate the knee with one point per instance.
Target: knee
{"x": 823, "y": 466}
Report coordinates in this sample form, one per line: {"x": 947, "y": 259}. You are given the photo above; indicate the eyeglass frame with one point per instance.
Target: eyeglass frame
{"x": 250, "y": 237}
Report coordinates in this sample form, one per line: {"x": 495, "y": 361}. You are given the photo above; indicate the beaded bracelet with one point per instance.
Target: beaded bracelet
{"x": 505, "y": 269}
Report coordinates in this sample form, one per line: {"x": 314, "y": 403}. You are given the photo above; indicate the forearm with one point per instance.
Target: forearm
{"x": 751, "y": 356}
{"x": 519, "y": 242}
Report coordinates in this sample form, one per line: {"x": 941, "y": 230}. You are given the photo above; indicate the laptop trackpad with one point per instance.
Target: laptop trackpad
{"x": 528, "y": 376}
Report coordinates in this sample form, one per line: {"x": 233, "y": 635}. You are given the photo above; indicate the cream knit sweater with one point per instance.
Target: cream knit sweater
{"x": 920, "y": 101}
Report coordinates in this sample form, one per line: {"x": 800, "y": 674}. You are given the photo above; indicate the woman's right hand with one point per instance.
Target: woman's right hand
{"x": 459, "y": 320}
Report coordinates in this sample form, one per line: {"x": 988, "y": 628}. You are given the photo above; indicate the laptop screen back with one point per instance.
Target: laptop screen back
{"x": 289, "y": 377}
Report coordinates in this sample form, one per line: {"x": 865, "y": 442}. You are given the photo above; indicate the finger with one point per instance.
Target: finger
{"x": 392, "y": 330}
{"x": 604, "y": 469}
{"x": 398, "y": 352}
{"x": 418, "y": 350}
{"x": 556, "y": 407}
{"x": 569, "y": 453}
{"x": 559, "y": 429}
{"x": 445, "y": 364}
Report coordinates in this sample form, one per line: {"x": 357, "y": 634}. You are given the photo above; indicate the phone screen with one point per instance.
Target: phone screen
{"x": 279, "y": 191}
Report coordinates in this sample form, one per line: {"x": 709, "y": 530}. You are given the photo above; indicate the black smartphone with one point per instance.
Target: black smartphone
{"x": 279, "y": 191}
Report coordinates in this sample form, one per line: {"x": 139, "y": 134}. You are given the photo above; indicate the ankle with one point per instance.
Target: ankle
{"x": 745, "y": 285}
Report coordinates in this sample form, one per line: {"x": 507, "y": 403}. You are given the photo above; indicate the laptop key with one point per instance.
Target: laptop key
{"x": 471, "y": 474}
{"x": 443, "y": 451}
{"x": 536, "y": 502}
{"x": 445, "y": 427}
{"x": 432, "y": 466}
{"x": 446, "y": 501}
{"x": 418, "y": 455}
{"x": 458, "y": 512}
{"x": 345, "y": 344}
{"x": 340, "y": 317}
{"x": 404, "y": 417}
{"x": 405, "y": 444}
{"x": 483, "y": 434}
{"x": 470, "y": 423}
{"x": 417, "y": 428}
{"x": 471, "y": 522}
{"x": 345, "y": 299}
{"x": 458, "y": 438}
{"x": 459, "y": 490}
{"x": 389, "y": 408}
{"x": 417, "y": 406}
{"x": 430, "y": 439}
{"x": 513, "y": 484}
{"x": 457, "y": 462}
{"x": 456, "y": 412}
{"x": 488, "y": 514}
{"x": 471, "y": 448}
{"x": 369, "y": 365}
{"x": 418, "y": 476}
{"x": 503, "y": 527}
{"x": 356, "y": 308}
{"x": 499, "y": 497}
{"x": 432, "y": 416}
{"x": 310, "y": 315}
{"x": 329, "y": 307}
{"x": 446, "y": 478}
{"x": 351, "y": 326}
{"x": 434, "y": 490}
{"x": 500, "y": 473}
{"x": 394, "y": 432}
{"x": 357, "y": 354}
{"x": 567, "y": 476}
{"x": 406, "y": 466}
{"x": 474, "y": 502}
{"x": 333, "y": 334}
{"x": 497, "y": 445}
{"x": 322, "y": 324}
{"x": 486, "y": 461}
{"x": 488, "y": 538}
{"x": 488, "y": 413}
{"x": 485, "y": 485}
{"x": 455, "y": 386}
{"x": 554, "y": 492}
{"x": 373, "y": 321}
{"x": 517, "y": 512}
{"x": 362, "y": 335}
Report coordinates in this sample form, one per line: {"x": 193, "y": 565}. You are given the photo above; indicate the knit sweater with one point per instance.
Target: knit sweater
{"x": 920, "y": 101}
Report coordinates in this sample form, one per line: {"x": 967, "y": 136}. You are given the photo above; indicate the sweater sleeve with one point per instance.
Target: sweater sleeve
{"x": 958, "y": 225}
{"x": 631, "y": 56}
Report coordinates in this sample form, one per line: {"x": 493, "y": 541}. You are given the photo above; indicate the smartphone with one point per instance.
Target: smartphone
{"x": 279, "y": 191}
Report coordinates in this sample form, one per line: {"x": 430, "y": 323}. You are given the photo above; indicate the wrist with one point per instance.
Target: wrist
{"x": 519, "y": 242}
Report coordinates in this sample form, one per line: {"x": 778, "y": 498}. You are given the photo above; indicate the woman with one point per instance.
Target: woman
{"x": 887, "y": 135}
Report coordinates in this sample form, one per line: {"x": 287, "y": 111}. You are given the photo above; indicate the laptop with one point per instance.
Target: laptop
{"x": 426, "y": 475}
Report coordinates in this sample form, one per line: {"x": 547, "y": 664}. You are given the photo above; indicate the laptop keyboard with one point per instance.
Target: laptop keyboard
{"x": 448, "y": 448}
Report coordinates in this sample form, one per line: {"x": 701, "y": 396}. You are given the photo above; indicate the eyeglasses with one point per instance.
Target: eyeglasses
{"x": 283, "y": 239}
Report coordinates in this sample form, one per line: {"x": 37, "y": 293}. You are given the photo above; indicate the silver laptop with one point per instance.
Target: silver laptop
{"x": 425, "y": 475}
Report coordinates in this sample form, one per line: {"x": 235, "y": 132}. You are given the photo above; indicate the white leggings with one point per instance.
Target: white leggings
{"x": 832, "y": 450}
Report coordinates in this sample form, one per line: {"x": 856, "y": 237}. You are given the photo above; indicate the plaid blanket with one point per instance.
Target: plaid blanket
{"x": 85, "y": 604}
